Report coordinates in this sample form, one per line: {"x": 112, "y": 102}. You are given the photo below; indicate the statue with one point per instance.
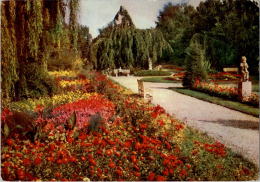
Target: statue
{"x": 244, "y": 71}
{"x": 150, "y": 64}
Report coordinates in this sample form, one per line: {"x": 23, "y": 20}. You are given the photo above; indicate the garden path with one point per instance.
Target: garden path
{"x": 236, "y": 130}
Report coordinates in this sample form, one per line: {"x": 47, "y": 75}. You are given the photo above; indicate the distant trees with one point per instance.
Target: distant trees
{"x": 33, "y": 32}
{"x": 229, "y": 27}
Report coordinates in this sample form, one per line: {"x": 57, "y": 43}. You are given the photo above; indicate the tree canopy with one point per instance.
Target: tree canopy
{"x": 230, "y": 30}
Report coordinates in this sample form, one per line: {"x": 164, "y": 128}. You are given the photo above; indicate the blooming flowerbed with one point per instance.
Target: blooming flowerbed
{"x": 225, "y": 76}
{"x": 103, "y": 133}
{"x": 215, "y": 89}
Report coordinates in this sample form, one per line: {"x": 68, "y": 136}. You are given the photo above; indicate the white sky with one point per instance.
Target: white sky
{"x": 98, "y": 13}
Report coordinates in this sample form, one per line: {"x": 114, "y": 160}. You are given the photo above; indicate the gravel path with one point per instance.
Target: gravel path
{"x": 237, "y": 130}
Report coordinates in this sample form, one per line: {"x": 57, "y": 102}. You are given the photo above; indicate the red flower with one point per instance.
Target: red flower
{"x": 9, "y": 142}
{"x": 165, "y": 172}
{"x": 52, "y": 147}
{"x": 183, "y": 172}
{"x": 109, "y": 152}
{"x": 112, "y": 165}
{"x": 82, "y": 136}
{"x": 39, "y": 108}
{"x": 6, "y": 112}
{"x": 133, "y": 158}
{"x": 7, "y": 164}
{"x": 92, "y": 162}
{"x": 37, "y": 161}
{"x": 70, "y": 139}
{"x": 119, "y": 172}
{"x": 26, "y": 162}
{"x": 137, "y": 174}
{"x": 138, "y": 146}
{"x": 58, "y": 175}
{"x": 21, "y": 174}
{"x": 151, "y": 176}
{"x": 83, "y": 158}
{"x": 161, "y": 178}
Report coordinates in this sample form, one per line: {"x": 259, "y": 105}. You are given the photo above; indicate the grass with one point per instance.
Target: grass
{"x": 216, "y": 100}
{"x": 255, "y": 87}
{"x": 152, "y": 73}
{"x": 159, "y": 79}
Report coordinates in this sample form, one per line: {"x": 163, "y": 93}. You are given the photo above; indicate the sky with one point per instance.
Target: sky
{"x": 98, "y": 13}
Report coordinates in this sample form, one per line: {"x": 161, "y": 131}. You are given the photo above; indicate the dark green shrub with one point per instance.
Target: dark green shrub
{"x": 195, "y": 62}
{"x": 36, "y": 82}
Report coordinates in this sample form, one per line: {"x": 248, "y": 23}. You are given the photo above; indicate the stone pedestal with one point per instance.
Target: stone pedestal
{"x": 148, "y": 96}
{"x": 244, "y": 89}
{"x": 140, "y": 87}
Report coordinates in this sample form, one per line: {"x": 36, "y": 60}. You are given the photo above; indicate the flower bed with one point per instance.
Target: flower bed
{"x": 225, "y": 76}
{"x": 109, "y": 135}
{"x": 215, "y": 89}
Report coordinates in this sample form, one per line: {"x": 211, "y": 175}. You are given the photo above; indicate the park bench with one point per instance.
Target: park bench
{"x": 121, "y": 71}
{"x": 232, "y": 69}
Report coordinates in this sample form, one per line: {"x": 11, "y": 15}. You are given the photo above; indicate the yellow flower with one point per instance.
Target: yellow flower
{"x": 30, "y": 104}
{"x": 63, "y": 73}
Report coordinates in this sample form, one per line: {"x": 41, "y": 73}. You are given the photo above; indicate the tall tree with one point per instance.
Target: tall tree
{"x": 9, "y": 63}
{"x": 32, "y": 32}
{"x": 174, "y": 21}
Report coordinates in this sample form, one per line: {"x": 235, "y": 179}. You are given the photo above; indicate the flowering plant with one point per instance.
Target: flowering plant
{"x": 137, "y": 141}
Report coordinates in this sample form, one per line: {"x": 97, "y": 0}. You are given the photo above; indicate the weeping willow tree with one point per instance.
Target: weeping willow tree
{"x": 121, "y": 44}
{"x": 74, "y": 7}
{"x": 32, "y": 30}
{"x": 8, "y": 51}
{"x": 128, "y": 47}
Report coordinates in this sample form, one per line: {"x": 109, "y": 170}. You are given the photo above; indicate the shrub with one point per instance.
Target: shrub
{"x": 65, "y": 60}
{"x": 152, "y": 73}
{"x": 35, "y": 82}
{"x": 196, "y": 64}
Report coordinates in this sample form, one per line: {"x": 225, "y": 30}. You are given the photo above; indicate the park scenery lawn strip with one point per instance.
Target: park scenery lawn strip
{"x": 220, "y": 101}
{"x": 96, "y": 130}
{"x": 159, "y": 79}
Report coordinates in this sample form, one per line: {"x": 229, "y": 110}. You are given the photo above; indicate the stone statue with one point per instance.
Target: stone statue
{"x": 150, "y": 64}
{"x": 244, "y": 71}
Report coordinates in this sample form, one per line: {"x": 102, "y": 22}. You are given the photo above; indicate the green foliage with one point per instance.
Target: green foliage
{"x": 8, "y": 51}
{"x": 128, "y": 47}
{"x": 230, "y": 28}
{"x": 30, "y": 40}
{"x": 175, "y": 23}
{"x": 36, "y": 85}
{"x": 74, "y": 7}
{"x": 122, "y": 45}
{"x": 84, "y": 42}
{"x": 152, "y": 73}
{"x": 195, "y": 62}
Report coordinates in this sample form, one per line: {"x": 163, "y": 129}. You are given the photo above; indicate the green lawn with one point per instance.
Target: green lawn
{"x": 220, "y": 101}
{"x": 159, "y": 79}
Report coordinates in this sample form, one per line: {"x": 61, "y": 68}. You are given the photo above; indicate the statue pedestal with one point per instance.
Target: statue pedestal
{"x": 140, "y": 87}
{"x": 244, "y": 89}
